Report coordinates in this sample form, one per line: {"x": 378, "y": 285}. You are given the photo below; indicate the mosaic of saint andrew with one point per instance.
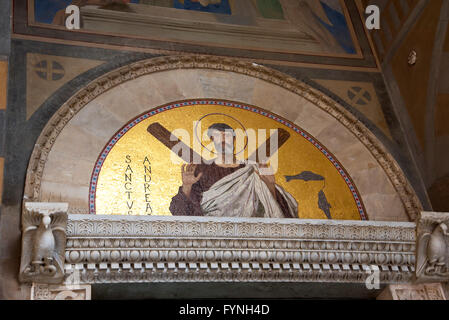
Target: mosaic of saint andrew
{"x": 231, "y": 161}
{"x": 291, "y": 25}
{"x": 227, "y": 187}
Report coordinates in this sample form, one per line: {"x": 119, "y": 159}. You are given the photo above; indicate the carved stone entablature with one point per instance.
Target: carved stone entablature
{"x": 432, "y": 263}
{"x": 43, "y": 242}
{"x": 114, "y": 249}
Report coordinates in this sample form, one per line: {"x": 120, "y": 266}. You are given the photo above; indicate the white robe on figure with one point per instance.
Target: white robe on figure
{"x": 244, "y": 194}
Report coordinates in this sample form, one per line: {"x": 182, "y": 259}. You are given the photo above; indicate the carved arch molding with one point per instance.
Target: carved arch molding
{"x": 385, "y": 190}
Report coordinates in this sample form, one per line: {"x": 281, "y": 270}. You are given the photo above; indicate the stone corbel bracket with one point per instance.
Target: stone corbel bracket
{"x": 43, "y": 242}
{"x": 120, "y": 249}
{"x": 432, "y": 250}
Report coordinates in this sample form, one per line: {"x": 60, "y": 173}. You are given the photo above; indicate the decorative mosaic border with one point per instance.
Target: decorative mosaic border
{"x": 195, "y": 102}
{"x": 45, "y": 142}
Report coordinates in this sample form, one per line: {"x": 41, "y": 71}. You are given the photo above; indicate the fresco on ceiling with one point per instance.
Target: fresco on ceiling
{"x": 279, "y": 25}
{"x": 221, "y": 159}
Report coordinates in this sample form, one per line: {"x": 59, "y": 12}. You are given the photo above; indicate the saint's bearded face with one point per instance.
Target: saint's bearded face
{"x": 223, "y": 141}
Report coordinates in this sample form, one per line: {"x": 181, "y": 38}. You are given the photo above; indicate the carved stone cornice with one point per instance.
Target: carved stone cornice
{"x": 43, "y": 242}
{"x": 432, "y": 250}
{"x": 97, "y": 87}
{"x": 114, "y": 249}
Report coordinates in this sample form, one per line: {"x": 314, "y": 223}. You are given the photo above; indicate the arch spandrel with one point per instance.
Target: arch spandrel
{"x": 96, "y": 113}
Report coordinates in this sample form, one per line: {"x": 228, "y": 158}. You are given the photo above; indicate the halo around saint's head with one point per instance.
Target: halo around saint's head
{"x": 203, "y": 124}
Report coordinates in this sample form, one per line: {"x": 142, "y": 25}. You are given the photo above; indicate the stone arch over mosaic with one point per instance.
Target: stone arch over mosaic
{"x": 66, "y": 152}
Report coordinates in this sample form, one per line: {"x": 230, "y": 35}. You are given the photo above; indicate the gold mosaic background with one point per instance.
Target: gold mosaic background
{"x": 295, "y": 156}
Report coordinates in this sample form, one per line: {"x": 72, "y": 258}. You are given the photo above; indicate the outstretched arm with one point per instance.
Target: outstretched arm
{"x": 187, "y": 201}
{"x": 268, "y": 178}
{"x": 183, "y": 205}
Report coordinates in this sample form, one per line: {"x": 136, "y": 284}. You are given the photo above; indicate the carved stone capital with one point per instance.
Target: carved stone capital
{"x": 55, "y": 292}
{"x": 432, "y": 250}
{"x": 43, "y": 242}
{"x": 428, "y": 291}
{"x": 46, "y": 208}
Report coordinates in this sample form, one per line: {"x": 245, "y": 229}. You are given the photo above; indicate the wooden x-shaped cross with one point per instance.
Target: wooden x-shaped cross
{"x": 169, "y": 140}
